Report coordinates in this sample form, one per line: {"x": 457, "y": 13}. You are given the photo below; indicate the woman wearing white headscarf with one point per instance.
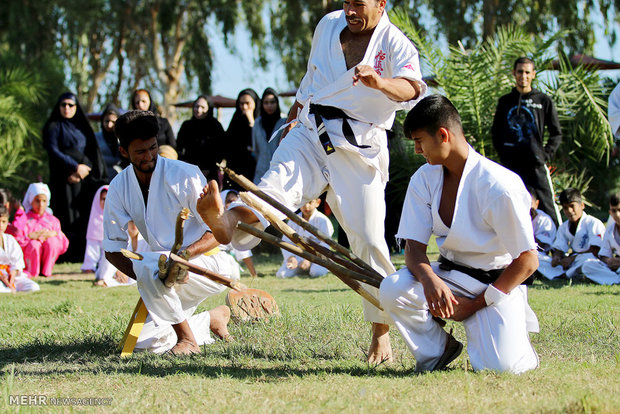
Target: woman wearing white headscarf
{"x": 39, "y": 233}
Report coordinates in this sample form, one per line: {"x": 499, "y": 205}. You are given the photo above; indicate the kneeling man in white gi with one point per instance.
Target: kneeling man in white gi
{"x": 151, "y": 192}
{"x": 479, "y": 213}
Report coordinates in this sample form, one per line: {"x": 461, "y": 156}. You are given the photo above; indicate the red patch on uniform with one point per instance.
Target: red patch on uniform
{"x": 379, "y": 58}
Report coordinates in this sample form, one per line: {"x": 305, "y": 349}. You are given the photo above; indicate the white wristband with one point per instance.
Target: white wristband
{"x": 493, "y": 296}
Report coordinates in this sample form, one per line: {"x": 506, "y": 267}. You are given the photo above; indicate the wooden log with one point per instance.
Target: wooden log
{"x": 349, "y": 277}
{"x": 250, "y": 186}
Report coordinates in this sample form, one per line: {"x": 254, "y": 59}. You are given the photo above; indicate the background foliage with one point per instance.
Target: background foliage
{"x": 474, "y": 79}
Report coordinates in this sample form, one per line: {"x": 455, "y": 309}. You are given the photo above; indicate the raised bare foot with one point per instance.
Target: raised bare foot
{"x": 380, "y": 350}
{"x": 219, "y": 321}
{"x": 185, "y": 347}
{"x": 211, "y": 209}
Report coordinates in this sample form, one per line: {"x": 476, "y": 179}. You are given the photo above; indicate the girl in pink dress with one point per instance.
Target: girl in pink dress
{"x": 39, "y": 233}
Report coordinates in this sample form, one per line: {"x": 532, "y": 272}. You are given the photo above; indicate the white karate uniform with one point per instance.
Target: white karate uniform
{"x": 598, "y": 271}
{"x": 321, "y": 222}
{"x": 590, "y": 231}
{"x": 354, "y": 177}
{"x": 13, "y": 256}
{"x": 613, "y": 110}
{"x": 174, "y": 185}
{"x": 491, "y": 227}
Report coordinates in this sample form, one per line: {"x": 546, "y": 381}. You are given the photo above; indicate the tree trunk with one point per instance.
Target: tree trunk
{"x": 490, "y": 10}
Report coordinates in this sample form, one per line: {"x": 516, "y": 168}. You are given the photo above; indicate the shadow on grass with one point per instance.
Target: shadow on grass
{"x": 102, "y": 357}
{"x": 316, "y": 290}
{"x": 59, "y": 282}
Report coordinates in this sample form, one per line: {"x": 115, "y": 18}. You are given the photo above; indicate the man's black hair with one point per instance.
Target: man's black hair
{"x": 570, "y": 195}
{"x": 523, "y": 60}
{"x": 432, "y": 113}
{"x": 135, "y": 125}
{"x": 4, "y": 212}
{"x": 614, "y": 199}
{"x": 532, "y": 192}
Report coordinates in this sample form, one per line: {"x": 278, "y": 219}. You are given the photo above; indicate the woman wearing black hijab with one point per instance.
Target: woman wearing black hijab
{"x": 201, "y": 139}
{"x": 141, "y": 99}
{"x": 77, "y": 169}
{"x": 107, "y": 141}
{"x": 266, "y": 124}
{"x": 239, "y": 142}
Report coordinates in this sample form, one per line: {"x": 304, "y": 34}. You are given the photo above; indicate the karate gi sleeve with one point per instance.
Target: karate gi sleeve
{"x": 115, "y": 219}
{"x": 405, "y": 62}
{"x": 15, "y": 254}
{"x": 546, "y": 231}
{"x": 509, "y": 216}
{"x": 606, "y": 247}
{"x": 597, "y": 231}
{"x": 196, "y": 182}
{"x": 416, "y": 220}
{"x": 561, "y": 242}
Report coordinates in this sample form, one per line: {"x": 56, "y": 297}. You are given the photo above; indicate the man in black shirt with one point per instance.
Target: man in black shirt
{"x": 518, "y": 129}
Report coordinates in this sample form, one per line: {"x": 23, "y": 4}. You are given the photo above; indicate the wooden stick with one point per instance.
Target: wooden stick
{"x": 164, "y": 264}
{"x": 250, "y": 186}
{"x": 131, "y": 255}
{"x": 349, "y": 277}
{"x": 305, "y": 241}
{"x": 217, "y": 278}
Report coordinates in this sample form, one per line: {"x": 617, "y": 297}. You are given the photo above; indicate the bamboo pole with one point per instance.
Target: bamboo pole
{"x": 217, "y": 278}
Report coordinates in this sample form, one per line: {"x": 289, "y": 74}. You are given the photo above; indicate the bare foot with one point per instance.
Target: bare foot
{"x": 211, "y": 209}
{"x": 185, "y": 347}
{"x": 380, "y": 349}
{"x": 219, "y": 321}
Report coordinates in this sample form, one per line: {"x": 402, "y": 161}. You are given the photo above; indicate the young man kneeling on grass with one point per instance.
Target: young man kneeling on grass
{"x": 151, "y": 193}
{"x": 479, "y": 212}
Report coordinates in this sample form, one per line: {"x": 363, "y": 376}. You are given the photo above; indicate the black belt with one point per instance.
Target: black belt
{"x": 331, "y": 112}
{"x": 484, "y": 276}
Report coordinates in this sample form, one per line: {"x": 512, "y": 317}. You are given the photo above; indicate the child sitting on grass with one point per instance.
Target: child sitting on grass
{"x": 294, "y": 265}
{"x": 39, "y": 233}
{"x": 544, "y": 227}
{"x": 12, "y": 261}
{"x": 578, "y": 239}
{"x": 606, "y": 271}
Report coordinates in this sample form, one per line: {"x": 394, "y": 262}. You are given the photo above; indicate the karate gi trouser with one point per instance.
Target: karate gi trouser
{"x": 40, "y": 258}
{"x": 314, "y": 271}
{"x": 551, "y": 272}
{"x": 22, "y": 284}
{"x": 161, "y": 338}
{"x": 497, "y": 335}
{"x": 300, "y": 171}
{"x": 171, "y": 306}
{"x": 600, "y": 273}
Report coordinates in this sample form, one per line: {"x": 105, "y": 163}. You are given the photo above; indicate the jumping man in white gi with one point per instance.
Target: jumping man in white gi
{"x": 151, "y": 192}
{"x": 361, "y": 70}
{"x": 479, "y": 212}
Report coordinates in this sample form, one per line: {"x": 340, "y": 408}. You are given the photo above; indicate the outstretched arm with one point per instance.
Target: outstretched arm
{"x": 397, "y": 89}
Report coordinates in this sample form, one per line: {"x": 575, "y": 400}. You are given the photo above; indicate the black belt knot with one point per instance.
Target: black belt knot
{"x": 331, "y": 112}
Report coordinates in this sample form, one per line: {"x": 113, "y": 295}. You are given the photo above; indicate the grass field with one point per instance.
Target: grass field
{"x": 62, "y": 342}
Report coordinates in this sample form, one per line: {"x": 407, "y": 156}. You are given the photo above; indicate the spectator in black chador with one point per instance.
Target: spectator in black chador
{"x": 141, "y": 99}
{"x": 239, "y": 135}
{"x": 77, "y": 169}
{"x": 201, "y": 139}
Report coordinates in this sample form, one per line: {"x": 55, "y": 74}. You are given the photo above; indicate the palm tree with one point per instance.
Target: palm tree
{"x": 19, "y": 129}
{"x": 474, "y": 79}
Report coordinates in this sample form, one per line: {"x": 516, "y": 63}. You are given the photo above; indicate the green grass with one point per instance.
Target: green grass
{"x": 62, "y": 342}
